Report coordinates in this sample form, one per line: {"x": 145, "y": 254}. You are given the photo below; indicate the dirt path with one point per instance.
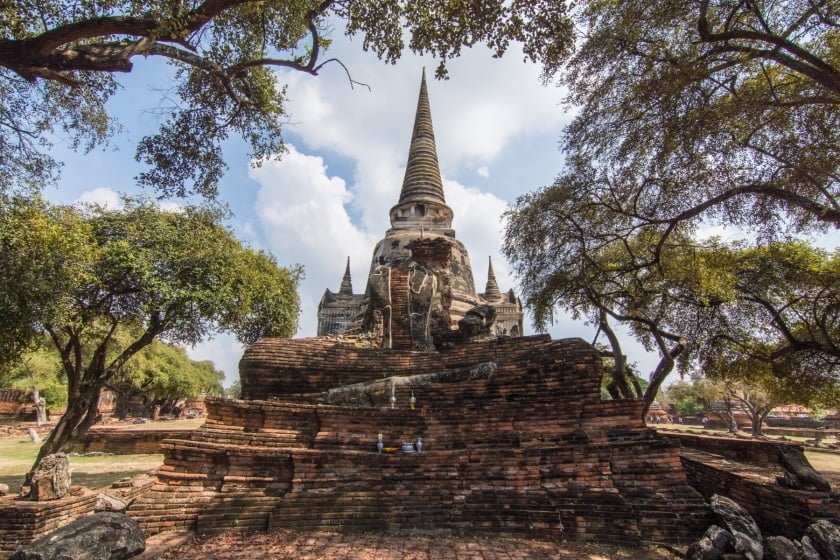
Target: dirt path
{"x": 331, "y": 546}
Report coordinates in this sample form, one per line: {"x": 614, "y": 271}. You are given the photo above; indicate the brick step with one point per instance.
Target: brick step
{"x": 252, "y": 440}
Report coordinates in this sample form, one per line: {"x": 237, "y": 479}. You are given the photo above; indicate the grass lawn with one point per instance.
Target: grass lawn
{"x": 17, "y": 453}
{"x": 828, "y": 463}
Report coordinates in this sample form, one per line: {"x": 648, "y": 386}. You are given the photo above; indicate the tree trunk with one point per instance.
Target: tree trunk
{"x": 619, "y": 383}
{"x": 758, "y": 422}
{"x": 80, "y": 415}
{"x": 663, "y": 368}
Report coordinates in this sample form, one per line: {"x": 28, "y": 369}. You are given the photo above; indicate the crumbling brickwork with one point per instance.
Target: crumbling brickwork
{"x": 527, "y": 448}
{"x": 22, "y": 521}
{"x": 776, "y": 509}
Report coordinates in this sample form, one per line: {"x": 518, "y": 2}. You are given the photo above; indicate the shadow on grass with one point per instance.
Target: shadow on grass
{"x": 91, "y": 480}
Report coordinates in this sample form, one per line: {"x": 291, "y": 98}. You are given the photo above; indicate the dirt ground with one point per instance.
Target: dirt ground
{"x": 332, "y": 546}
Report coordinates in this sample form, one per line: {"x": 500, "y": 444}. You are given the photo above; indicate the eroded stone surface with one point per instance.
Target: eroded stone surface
{"x": 781, "y": 548}
{"x": 825, "y": 537}
{"x": 740, "y": 523}
{"x": 51, "y": 479}
{"x": 712, "y": 546}
{"x": 101, "y": 536}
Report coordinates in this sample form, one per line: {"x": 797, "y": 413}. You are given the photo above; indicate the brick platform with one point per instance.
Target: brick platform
{"x": 23, "y": 521}
{"x": 120, "y": 441}
{"x": 528, "y": 448}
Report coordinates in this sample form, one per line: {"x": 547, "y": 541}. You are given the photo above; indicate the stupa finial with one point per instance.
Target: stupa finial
{"x": 346, "y": 283}
{"x": 491, "y": 292}
{"x": 422, "y": 182}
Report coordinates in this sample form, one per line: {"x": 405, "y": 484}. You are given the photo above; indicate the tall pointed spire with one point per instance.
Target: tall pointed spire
{"x": 346, "y": 284}
{"x": 491, "y": 292}
{"x": 422, "y": 182}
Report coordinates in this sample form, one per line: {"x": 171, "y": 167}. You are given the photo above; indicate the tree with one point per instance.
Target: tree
{"x": 566, "y": 255}
{"x": 39, "y": 373}
{"x": 786, "y": 314}
{"x": 778, "y": 304}
{"x": 234, "y": 391}
{"x": 161, "y": 374}
{"x": 684, "y": 401}
{"x": 58, "y": 60}
{"x": 715, "y": 397}
{"x": 712, "y": 110}
{"x": 171, "y": 276}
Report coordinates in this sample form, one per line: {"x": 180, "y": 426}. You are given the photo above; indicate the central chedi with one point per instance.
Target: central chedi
{"x": 420, "y": 290}
{"x": 515, "y": 436}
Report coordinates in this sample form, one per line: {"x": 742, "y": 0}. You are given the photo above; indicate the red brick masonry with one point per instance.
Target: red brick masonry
{"x": 527, "y": 448}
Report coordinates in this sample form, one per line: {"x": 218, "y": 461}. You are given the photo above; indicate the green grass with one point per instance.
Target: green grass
{"x": 96, "y": 471}
{"x": 828, "y": 463}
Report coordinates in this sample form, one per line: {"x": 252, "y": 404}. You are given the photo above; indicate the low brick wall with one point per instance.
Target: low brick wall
{"x": 776, "y": 509}
{"x": 754, "y": 451}
{"x": 14, "y": 405}
{"x": 125, "y": 442}
{"x": 803, "y": 423}
{"x": 802, "y": 432}
{"x": 21, "y": 521}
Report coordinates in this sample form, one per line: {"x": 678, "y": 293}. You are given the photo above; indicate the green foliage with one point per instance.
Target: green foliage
{"x": 778, "y": 303}
{"x": 57, "y": 62}
{"x": 44, "y": 250}
{"x": 38, "y": 369}
{"x": 234, "y": 391}
{"x": 134, "y": 276}
{"x": 164, "y": 372}
{"x": 709, "y": 110}
{"x": 688, "y": 407}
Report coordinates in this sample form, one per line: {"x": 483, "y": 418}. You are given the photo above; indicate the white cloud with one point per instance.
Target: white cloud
{"x": 103, "y": 197}
{"x": 302, "y": 212}
{"x": 306, "y": 213}
{"x": 478, "y": 225}
{"x": 172, "y": 207}
{"x": 479, "y": 112}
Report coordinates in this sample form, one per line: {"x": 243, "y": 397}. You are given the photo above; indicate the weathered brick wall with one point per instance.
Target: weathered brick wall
{"x": 802, "y": 432}
{"x": 305, "y": 368}
{"x": 14, "y": 404}
{"x": 829, "y": 422}
{"x": 776, "y": 509}
{"x": 530, "y": 448}
{"x": 23, "y": 521}
{"x": 124, "y": 442}
{"x": 757, "y": 452}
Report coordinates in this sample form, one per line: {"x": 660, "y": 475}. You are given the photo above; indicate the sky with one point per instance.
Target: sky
{"x": 497, "y": 129}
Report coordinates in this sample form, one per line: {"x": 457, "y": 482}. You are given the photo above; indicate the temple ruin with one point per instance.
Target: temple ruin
{"x": 420, "y": 285}
{"x": 421, "y": 417}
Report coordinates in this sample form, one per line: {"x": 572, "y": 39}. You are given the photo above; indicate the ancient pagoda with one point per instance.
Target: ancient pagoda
{"x": 425, "y": 420}
{"x": 420, "y": 287}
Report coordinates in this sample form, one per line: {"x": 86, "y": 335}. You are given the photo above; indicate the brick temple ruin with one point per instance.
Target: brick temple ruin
{"x": 516, "y": 438}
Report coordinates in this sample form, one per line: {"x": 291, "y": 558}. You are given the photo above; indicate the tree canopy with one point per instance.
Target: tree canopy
{"x": 161, "y": 373}
{"x": 692, "y": 114}
{"x": 58, "y": 62}
{"x": 702, "y": 303}
{"x": 716, "y": 110}
{"x": 134, "y": 275}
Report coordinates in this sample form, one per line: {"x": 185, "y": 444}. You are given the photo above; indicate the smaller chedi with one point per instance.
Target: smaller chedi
{"x": 420, "y": 292}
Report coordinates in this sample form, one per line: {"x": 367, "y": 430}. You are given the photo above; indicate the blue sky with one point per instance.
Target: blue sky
{"x": 497, "y": 130}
